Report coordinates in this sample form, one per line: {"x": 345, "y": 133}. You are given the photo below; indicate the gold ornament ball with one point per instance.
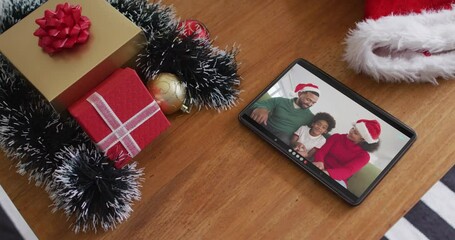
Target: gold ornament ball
{"x": 168, "y": 92}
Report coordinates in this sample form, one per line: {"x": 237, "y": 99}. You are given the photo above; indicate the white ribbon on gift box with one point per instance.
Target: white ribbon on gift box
{"x": 121, "y": 132}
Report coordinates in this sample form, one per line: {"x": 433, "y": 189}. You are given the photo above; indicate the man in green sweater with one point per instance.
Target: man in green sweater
{"x": 283, "y": 116}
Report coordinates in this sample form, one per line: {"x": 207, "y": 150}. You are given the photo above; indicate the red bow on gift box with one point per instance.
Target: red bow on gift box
{"x": 62, "y": 29}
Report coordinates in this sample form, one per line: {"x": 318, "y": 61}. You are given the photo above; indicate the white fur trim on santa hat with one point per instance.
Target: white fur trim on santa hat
{"x": 363, "y": 130}
{"x": 310, "y": 89}
{"x": 307, "y": 87}
{"x": 405, "y": 35}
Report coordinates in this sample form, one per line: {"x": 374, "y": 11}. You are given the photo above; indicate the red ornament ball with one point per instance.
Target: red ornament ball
{"x": 193, "y": 28}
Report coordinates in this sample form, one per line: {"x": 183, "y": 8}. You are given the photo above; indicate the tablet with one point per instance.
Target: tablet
{"x": 334, "y": 134}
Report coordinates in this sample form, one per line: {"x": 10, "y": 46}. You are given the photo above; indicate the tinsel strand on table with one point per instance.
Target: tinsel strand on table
{"x": 53, "y": 150}
{"x": 111, "y": 191}
{"x": 208, "y": 73}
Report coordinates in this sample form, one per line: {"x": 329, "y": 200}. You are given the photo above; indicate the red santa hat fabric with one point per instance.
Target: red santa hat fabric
{"x": 404, "y": 40}
{"x": 307, "y": 87}
{"x": 369, "y": 130}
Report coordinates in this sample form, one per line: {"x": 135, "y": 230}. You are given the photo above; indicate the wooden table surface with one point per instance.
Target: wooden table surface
{"x": 209, "y": 177}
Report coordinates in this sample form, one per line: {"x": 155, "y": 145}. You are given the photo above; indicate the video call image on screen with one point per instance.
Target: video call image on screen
{"x": 339, "y": 136}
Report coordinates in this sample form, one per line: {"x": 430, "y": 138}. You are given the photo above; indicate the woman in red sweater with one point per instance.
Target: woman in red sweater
{"x": 345, "y": 154}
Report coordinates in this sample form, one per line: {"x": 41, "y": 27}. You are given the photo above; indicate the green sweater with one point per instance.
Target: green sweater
{"x": 283, "y": 116}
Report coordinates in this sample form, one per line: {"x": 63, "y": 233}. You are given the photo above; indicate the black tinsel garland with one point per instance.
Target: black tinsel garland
{"x": 101, "y": 195}
{"x": 53, "y": 150}
{"x": 209, "y": 74}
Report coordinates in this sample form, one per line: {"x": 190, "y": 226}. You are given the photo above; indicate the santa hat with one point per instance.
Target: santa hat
{"x": 399, "y": 40}
{"x": 307, "y": 87}
{"x": 369, "y": 130}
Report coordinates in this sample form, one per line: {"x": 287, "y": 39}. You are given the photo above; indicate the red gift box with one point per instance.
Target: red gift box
{"x": 120, "y": 116}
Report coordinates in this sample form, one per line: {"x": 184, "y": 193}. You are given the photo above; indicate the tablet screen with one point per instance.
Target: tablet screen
{"x": 337, "y": 136}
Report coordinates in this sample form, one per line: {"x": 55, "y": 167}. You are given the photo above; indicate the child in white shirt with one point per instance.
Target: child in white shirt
{"x": 307, "y": 139}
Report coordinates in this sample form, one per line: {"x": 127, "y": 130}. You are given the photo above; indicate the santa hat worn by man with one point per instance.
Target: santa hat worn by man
{"x": 369, "y": 130}
{"x": 404, "y": 40}
{"x": 307, "y": 87}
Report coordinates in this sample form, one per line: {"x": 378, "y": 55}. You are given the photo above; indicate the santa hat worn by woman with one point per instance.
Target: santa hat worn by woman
{"x": 404, "y": 40}
{"x": 369, "y": 130}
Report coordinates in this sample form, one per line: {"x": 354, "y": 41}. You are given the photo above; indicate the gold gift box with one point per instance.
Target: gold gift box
{"x": 66, "y": 76}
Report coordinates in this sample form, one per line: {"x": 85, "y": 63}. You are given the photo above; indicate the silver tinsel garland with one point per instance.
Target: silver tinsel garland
{"x": 53, "y": 150}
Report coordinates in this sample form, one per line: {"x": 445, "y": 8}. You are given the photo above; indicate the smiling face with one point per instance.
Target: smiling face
{"x": 306, "y": 99}
{"x": 355, "y": 136}
{"x": 319, "y": 127}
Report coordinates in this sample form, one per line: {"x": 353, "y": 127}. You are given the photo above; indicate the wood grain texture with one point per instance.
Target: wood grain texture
{"x": 209, "y": 177}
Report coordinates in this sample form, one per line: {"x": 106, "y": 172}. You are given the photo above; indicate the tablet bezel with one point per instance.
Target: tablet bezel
{"x": 306, "y": 165}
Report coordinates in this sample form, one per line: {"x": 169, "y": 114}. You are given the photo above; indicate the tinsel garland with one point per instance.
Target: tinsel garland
{"x": 53, "y": 150}
{"x": 99, "y": 188}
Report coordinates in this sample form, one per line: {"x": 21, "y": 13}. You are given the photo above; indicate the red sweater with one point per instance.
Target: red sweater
{"x": 341, "y": 157}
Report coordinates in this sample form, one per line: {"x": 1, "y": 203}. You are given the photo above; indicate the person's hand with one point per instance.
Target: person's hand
{"x": 301, "y": 149}
{"x": 260, "y": 115}
{"x": 319, "y": 165}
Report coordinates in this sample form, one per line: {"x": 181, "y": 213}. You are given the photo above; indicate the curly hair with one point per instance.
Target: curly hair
{"x": 326, "y": 117}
